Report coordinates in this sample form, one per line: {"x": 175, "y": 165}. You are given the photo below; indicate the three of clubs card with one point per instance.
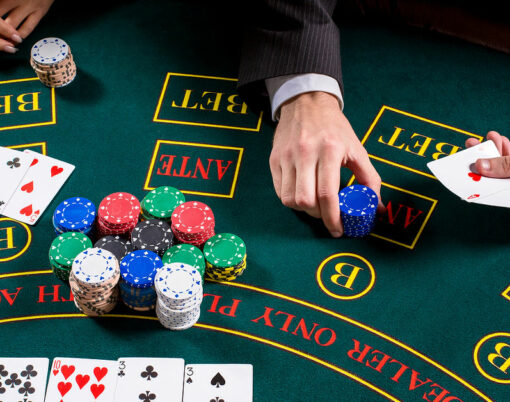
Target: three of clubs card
{"x": 23, "y": 379}
{"x": 148, "y": 379}
{"x": 457, "y": 173}
{"x": 218, "y": 383}
{"x": 28, "y": 183}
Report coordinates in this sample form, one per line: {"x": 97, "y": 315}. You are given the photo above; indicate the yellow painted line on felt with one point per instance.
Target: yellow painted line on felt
{"x": 436, "y": 123}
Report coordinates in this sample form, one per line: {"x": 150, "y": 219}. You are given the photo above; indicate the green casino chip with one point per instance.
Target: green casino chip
{"x": 186, "y": 254}
{"x": 67, "y": 246}
{"x": 224, "y": 250}
{"x": 161, "y": 202}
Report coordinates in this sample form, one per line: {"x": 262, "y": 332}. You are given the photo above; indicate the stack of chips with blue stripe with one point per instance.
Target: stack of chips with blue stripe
{"x": 358, "y": 207}
{"x": 76, "y": 214}
{"x": 138, "y": 270}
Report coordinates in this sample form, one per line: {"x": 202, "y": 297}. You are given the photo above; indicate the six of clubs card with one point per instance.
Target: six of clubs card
{"x": 23, "y": 379}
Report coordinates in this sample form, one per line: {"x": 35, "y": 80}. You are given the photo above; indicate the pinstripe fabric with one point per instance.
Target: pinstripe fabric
{"x": 288, "y": 37}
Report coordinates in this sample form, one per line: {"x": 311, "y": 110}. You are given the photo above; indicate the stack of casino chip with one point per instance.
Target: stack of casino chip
{"x": 160, "y": 203}
{"x": 138, "y": 271}
{"x": 116, "y": 245}
{"x": 186, "y": 254}
{"x": 225, "y": 257}
{"x": 358, "y": 207}
{"x": 154, "y": 235}
{"x": 118, "y": 214}
{"x": 53, "y": 62}
{"x": 93, "y": 281}
{"x": 64, "y": 249}
{"x": 180, "y": 293}
{"x": 76, "y": 214}
{"x": 193, "y": 223}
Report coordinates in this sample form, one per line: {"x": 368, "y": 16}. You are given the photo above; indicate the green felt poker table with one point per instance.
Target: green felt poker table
{"x": 418, "y": 310}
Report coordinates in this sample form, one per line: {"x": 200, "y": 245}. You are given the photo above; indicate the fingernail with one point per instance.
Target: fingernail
{"x": 16, "y": 38}
{"x": 485, "y": 164}
{"x": 10, "y": 49}
{"x": 336, "y": 234}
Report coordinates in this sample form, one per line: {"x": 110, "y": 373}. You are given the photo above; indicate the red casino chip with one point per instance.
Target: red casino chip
{"x": 192, "y": 218}
{"x": 119, "y": 210}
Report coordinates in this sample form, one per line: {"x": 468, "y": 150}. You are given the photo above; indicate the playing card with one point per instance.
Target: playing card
{"x": 149, "y": 379}
{"x": 81, "y": 380}
{"x": 218, "y": 383}
{"x": 456, "y": 173}
{"x": 36, "y": 190}
{"x": 13, "y": 166}
{"x": 23, "y": 379}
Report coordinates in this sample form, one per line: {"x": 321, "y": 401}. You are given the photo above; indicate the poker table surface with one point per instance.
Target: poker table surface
{"x": 418, "y": 310}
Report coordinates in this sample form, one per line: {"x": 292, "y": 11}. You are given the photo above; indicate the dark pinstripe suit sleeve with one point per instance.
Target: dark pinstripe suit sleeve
{"x": 288, "y": 37}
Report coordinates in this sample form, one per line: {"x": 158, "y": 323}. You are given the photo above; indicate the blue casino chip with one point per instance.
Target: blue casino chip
{"x": 358, "y": 207}
{"x": 139, "y": 268}
{"x": 76, "y": 214}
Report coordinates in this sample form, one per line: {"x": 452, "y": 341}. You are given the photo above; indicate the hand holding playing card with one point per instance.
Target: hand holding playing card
{"x": 498, "y": 167}
{"x": 458, "y": 173}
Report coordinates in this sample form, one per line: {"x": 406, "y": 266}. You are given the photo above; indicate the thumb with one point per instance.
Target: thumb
{"x": 494, "y": 167}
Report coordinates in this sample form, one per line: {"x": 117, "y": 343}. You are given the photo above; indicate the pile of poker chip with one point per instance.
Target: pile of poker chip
{"x": 134, "y": 242}
{"x": 64, "y": 249}
{"x": 93, "y": 281}
{"x": 193, "y": 223}
{"x": 358, "y": 207}
{"x": 53, "y": 62}
{"x": 75, "y": 214}
{"x": 153, "y": 235}
{"x": 118, "y": 214}
{"x": 138, "y": 270}
{"x": 160, "y": 203}
{"x": 180, "y": 293}
{"x": 225, "y": 257}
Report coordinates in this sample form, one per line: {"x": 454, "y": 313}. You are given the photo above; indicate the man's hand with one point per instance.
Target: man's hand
{"x": 312, "y": 141}
{"x": 20, "y": 19}
{"x": 495, "y": 167}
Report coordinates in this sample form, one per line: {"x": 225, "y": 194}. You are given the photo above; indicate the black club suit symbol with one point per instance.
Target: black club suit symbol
{"x": 149, "y": 373}
{"x": 29, "y": 372}
{"x": 26, "y": 388}
{"x": 147, "y": 397}
{"x": 13, "y": 380}
{"x": 3, "y": 371}
{"x": 2, "y": 389}
{"x": 14, "y": 163}
{"x": 217, "y": 399}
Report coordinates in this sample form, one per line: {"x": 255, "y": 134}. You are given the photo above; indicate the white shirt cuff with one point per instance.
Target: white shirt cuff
{"x": 284, "y": 87}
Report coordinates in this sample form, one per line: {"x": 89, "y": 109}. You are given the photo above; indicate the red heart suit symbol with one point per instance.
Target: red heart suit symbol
{"x": 82, "y": 380}
{"x": 67, "y": 370}
{"x": 34, "y": 162}
{"x": 55, "y": 170}
{"x": 64, "y": 387}
{"x": 475, "y": 176}
{"x": 27, "y": 211}
{"x": 96, "y": 390}
{"x": 100, "y": 372}
{"x": 473, "y": 196}
{"x": 28, "y": 187}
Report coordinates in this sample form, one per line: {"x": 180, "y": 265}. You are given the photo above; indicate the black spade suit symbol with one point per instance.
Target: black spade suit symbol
{"x": 217, "y": 380}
